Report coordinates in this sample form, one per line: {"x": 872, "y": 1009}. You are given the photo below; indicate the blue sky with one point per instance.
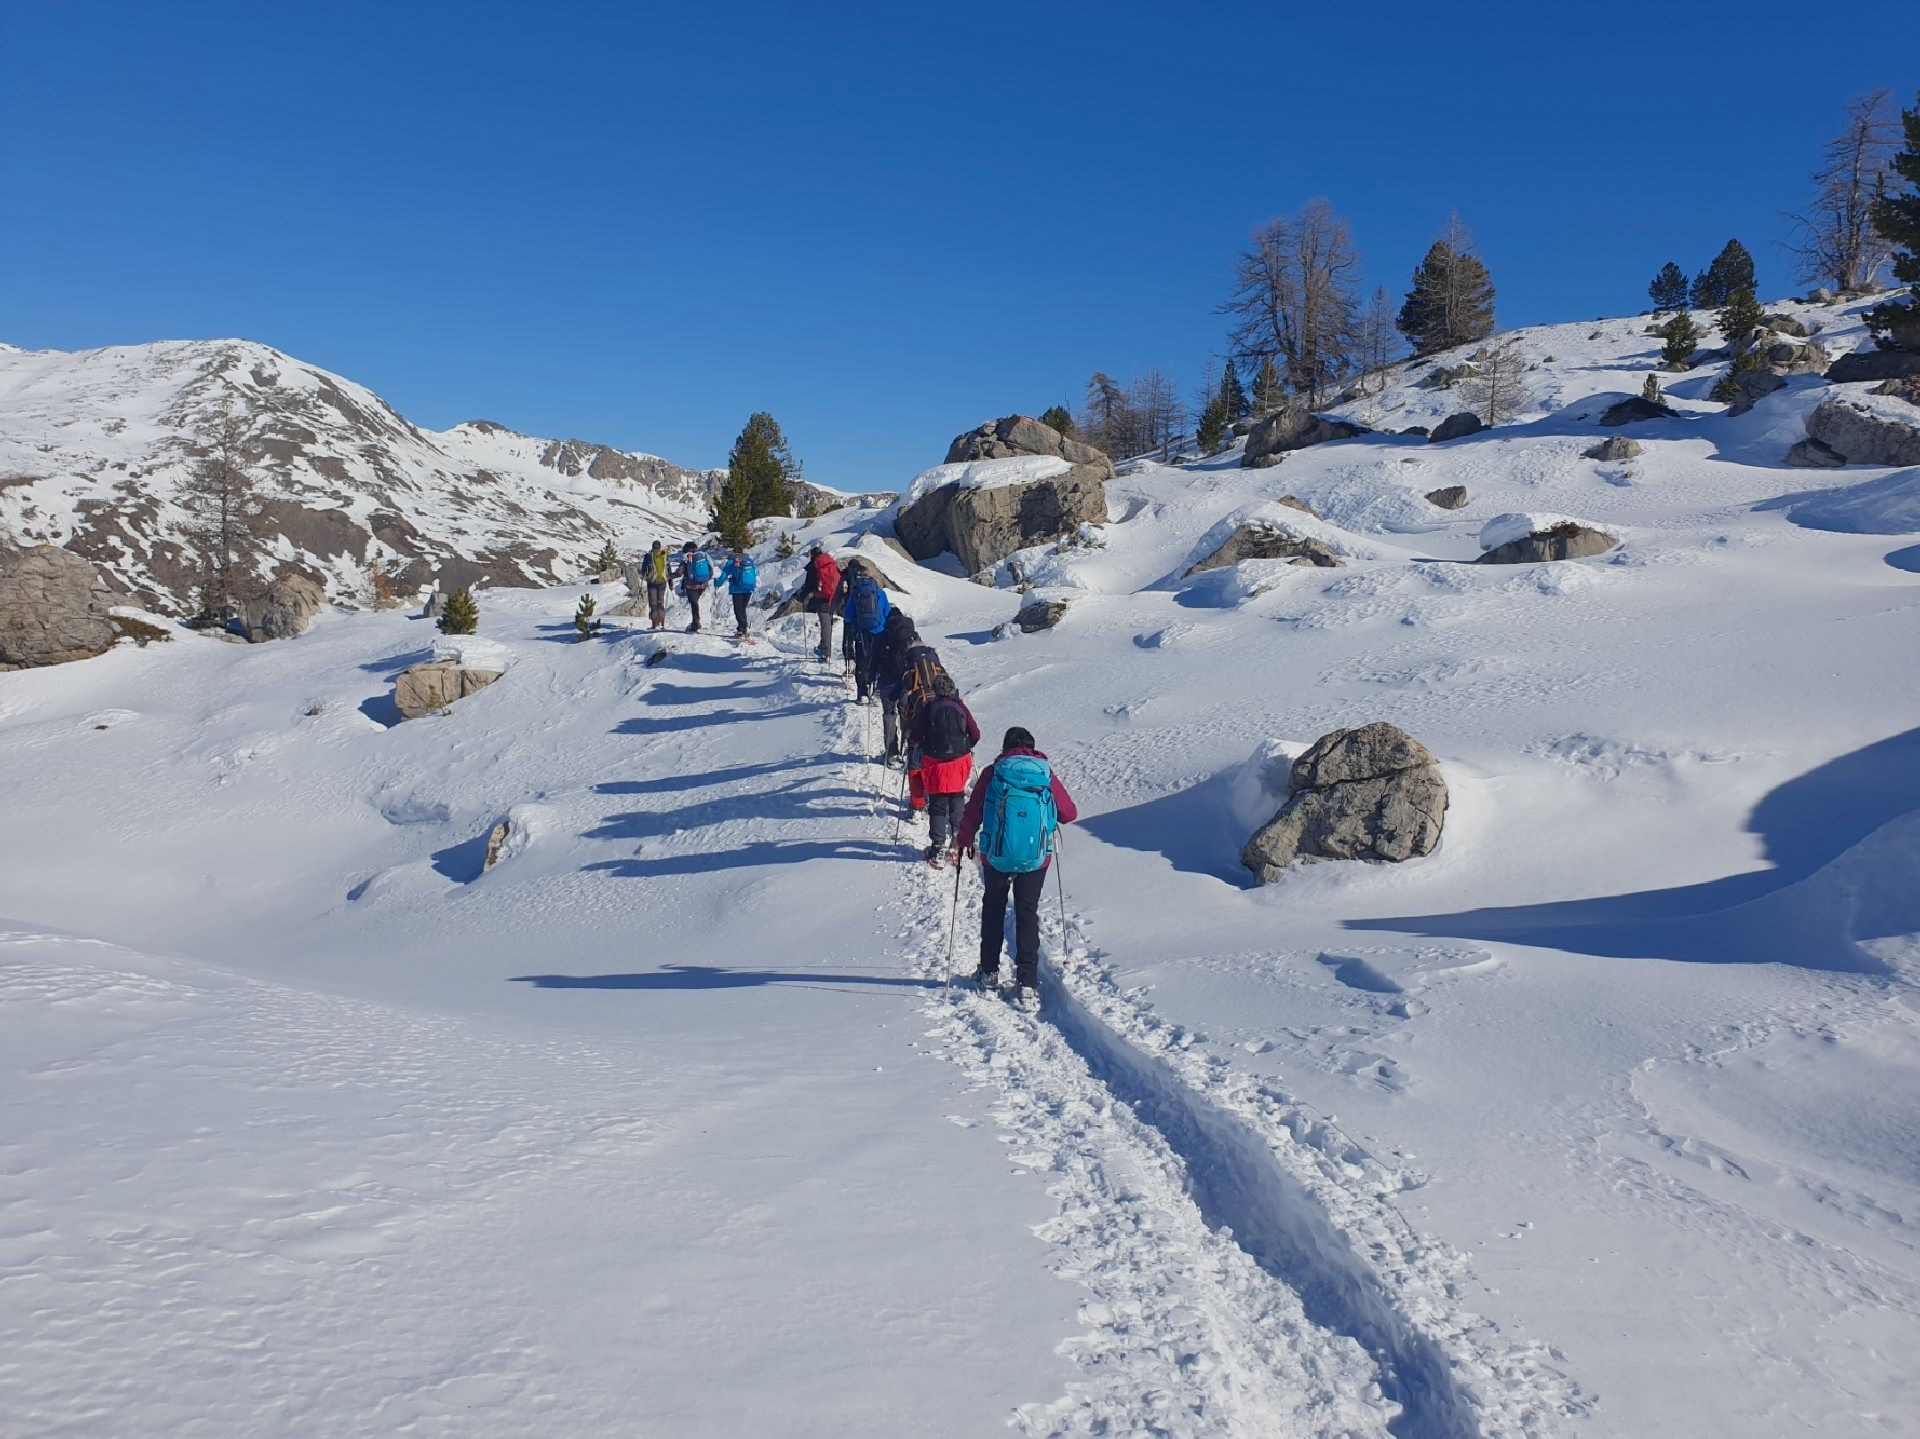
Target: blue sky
{"x": 636, "y": 224}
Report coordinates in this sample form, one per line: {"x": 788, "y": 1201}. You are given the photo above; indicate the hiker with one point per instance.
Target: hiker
{"x": 944, "y": 735}
{"x": 656, "y": 569}
{"x": 865, "y": 612}
{"x": 1010, "y": 818}
{"x": 696, "y": 573}
{"x": 818, "y": 591}
{"x": 741, "y": 579}
{"x": 920, "y": 667}
{"x": 889, "y": 676}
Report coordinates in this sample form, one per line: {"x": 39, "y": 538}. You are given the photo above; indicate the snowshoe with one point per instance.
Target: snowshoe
{"x": 934, "y": 858}
{"x": 984, "y": 980}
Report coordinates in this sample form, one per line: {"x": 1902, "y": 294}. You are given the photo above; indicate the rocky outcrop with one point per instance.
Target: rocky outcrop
{"x": 1036, "y": 615}
{"x": 1022, "y": 435}
{"x": 1867, "y": 431}
{"x": 285, "y": 610}
{"x": 1448, "y": 497}
{"x": 1455, "y": 427}
{"x": 1746, "y": 388}
{"x": 1257, "y": 541}
{"x": 496, "y": 844}
{"x": 1373, "y": 793}
{"x": 1864, "y": 365}
{"x": 1565, "y": 541}
{"x": 1293, "y": 428}
{"x": 428, "y": 688}
{"x": 1634, "y": 409}
{"x": 1811, "y": 454}
{"x": 1614, "y": 449}
{"x": 53, "y": 608}
{"x": 1902, "y": 387}
{"x": 1294, "y": 502}
{"x": 983, "y": 516}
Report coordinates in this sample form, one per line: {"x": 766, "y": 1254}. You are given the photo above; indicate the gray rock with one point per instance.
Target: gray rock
{"x": 1811, "y": 454}
{"x": 1563, "y": 542}
{"x": 1037, "y": 615}
{"x": 1820, "y": 296}
{"x": 53, "y": 608}
{"x": 496, "y": 842}
{"x": 1614, "y": 449}
{"x": 1293, "y": 428}
{"x": 1448, "y": 497}
{"x": 1373, "y": 793}
{"x": 436, "y": 606}
{"x": 1421, "y": 431}
{"x": 1873, "y": 365}
{"x": 1257, "y": 541}
{"x": 1903, "y": 387}
{"x": 1785, "y": 354}
{"x": 1455, "y": 427}
{"x": 1294, "y": 502}
{"x": 285, "y": 610}
{"x": 425, "y": 689}
{"x": 1634, "y": 409}
{"x": 1788, "y": 325}
{"x": 1865, "y": 436}
{"x": 983, "y": 526}
{"x": 1752, "y": 386}
{"x": 1022, "y": 435}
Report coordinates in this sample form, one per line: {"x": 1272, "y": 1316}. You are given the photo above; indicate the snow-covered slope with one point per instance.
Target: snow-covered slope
{"x": 93, "y": 445}
{"x": 1599, "y": 1121}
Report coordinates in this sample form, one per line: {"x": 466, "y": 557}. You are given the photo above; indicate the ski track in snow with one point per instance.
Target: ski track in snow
{"x": 1249, "y": 1272}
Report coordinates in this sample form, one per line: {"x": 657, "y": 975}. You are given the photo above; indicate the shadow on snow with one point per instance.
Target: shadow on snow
{"x": 704, "y": 976}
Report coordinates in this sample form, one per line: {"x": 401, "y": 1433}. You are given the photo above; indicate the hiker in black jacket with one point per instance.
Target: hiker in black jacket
{"x": 889, "y": 657}
{"x": 944, "y": 734}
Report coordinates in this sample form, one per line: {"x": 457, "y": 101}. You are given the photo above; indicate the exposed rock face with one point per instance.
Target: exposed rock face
{"x": 1752, "y": 386}
{"x": 1022, "y": 435}
{"x": 1371, "y": 793}
{"x": 1811, "y": 454}
{"x": 1634, "y": 409}
{"x": 434, "y": 686}
{"x": 1292, "y": 428}
{"x": 1873, "y": 365}
{"x": 53, "y": 608}
{"x": 1454, "y": 427}
{"x": 1037, "y": 615}
{"x": 922, "y": 526}
{"x": 496, "y": 842}
{"x": 1563, "y": 542}
{"x": 1420, "y": 431}
{"x": 1448, "y": 497}
{"x": 1263, "y": 542}
{"x": 1905, "y": 387}
{"x": 1294, "y": 502}
{"x": 285, "y": 610}
{"x": 1867, "y": 434}
{"x": 1614, "y": 449}
{"x": 1788, "y": 325}
{"x": 1791, "y": 353}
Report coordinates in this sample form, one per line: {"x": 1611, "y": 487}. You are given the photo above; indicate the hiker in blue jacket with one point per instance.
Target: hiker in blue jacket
{"x": 741, "y": 580}
{"x": 1016, "y": 804}
{"x": 695, "y": 573}
{"x": 865, "y": 612}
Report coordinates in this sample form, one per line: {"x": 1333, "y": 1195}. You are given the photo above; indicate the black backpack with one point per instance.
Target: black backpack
{"x": 946, "y": 730}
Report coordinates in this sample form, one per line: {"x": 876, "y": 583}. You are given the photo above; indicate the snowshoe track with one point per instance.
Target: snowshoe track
{"x": 1248, "y": 1270}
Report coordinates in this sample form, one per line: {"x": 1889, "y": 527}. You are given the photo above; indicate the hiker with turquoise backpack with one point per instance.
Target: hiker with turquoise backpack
{"x": 696, "y": 573}
{"x": 865, "y": 612}
{"x": 741, "y": 579}
{"x": 1016, "y": 805}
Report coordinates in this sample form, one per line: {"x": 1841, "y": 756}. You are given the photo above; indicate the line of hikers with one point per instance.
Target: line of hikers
{"x": 1008, "y": 819}
{"x": 691, "y": 571}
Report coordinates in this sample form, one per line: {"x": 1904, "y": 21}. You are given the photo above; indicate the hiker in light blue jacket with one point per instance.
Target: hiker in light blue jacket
{"x": 741, "y": 580}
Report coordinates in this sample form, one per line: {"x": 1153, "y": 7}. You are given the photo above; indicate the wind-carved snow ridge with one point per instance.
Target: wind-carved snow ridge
{"x": 1249, "y": 1272}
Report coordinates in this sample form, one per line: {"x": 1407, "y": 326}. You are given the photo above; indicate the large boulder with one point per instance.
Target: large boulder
{"x": 1533, "y": 539}
{"x": 1040, "y": 614}
{"x": 1259, "y": 541}
{"x": 285, "y": 610}
{"x": 986, "y": 510}
{"x": 1292, "y": 428}
{"x": 1790, "y": 353}
{"x": 1455, "y": 427}
{"x": 1810, "y": 454}
{"x": 1868, "y": 430}
{"x": 1448, "y": 497}
{"x": 1372, "y": 793}
{"x": 1746, "y": 388}
{"x": 1873, "y": 365}
{"x": 428, "y": 688}
{"x": 1613, "y": 449}
{"x": 1633, "y": 409}
{"x": 1021, "y": 435}
{"x": 53, "y": 608}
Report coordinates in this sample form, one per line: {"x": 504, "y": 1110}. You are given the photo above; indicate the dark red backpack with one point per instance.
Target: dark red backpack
{"x": 826, "y": 577}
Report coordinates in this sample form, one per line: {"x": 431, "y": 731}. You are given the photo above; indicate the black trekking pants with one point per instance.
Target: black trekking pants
{"x": 693, "y": 603}
{"x": 862, "y": 659}
{"x": 1025, "y": 889}
{"x": 740, "y": 610}
{"x": 657, "y": 604}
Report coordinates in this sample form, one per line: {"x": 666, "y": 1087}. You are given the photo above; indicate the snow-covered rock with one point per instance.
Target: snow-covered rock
{"x": 1369, "y": 793}
{"x": 1868, "y": 429}
{"x": 985, "y": 510}
{"x": 1889, "y": 505}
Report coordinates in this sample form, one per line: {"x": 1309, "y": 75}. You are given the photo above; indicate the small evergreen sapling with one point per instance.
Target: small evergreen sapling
{"x": 1212, "y": 431}
{"x": 1681, "y": 338}
{"x": 584, "y": 623}
{"x": 609, "y": 558}
{"x": 461, "y": 615}
{"x": 1741, "y": 317}
{"x": 1059, "y": 417}
{"x": 783, "y": 547}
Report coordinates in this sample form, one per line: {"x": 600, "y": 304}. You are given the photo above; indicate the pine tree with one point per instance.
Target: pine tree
{"x": 608, "y": 558}
{"x": 1897, "y": 219}
{"x": 1740, "y": 317}
{"x": 1107, "y": 425}
{"x": 583, "y": 621}
{"x": 1669, "y": 289}
{"x": 1268, "y": 393}
{"x": 1731, "y": 270}
{"x": 783, "y": 550}
{"x": 1233, "y": 399}
{"x": 1682, "y": 338}
{"x": 760, "y": 473}
{"x": 461, "y": 615}
{"x": 1211, "y": 433}
{"x": 1451, "y": 302}
{"x": 1059, "y": 417}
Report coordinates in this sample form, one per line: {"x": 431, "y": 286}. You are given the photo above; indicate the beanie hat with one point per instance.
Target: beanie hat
{"x": 1017, "y": 738}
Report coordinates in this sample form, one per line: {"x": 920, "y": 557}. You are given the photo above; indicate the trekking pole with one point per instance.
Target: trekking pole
{"x": 953, "y": 930}
{"x": 1060, "y": 886}
{"x": 900, "y": 814}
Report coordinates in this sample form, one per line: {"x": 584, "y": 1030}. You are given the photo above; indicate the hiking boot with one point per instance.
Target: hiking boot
{"x": 932, "y": 855}
{"x": 984, "y": 979}
{"x": 1026, "y": 999}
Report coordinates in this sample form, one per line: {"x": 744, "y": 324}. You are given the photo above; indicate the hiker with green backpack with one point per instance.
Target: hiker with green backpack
{"x": 1016, "y": 805}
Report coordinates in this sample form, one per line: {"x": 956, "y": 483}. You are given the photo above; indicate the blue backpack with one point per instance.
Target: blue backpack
{"x": 1018, "y": 818}
{"x": 870, "y": 605}
{"x": 745, "y": 577}
{"x": 699, "y": 569}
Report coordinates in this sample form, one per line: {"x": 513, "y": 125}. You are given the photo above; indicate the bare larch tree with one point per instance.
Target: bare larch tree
{"x": 1293, "y": 299}
{"x": 1837, "y": 240}
{"x": 1374, "y": 342}
{"x": 222, "y": 496}
{"x": 1497, "y": 389}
